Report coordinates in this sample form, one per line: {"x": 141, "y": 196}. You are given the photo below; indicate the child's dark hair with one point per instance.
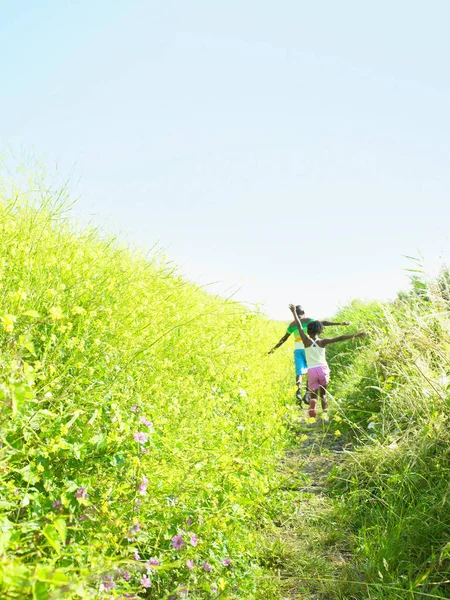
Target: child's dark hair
{"x": 315, "y": 327}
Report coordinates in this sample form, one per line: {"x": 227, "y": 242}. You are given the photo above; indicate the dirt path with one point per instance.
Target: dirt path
{"x": 312, "y": 540}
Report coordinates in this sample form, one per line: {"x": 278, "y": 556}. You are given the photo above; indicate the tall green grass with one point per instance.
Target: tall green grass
{"x": 141, "y": 422}
{"x": 393, "y": 392}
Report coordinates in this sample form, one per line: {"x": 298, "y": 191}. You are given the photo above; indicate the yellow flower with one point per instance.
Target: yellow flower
{"x": 8, "y": 323}
{"x": 337, "y": 418}
{"x": 312, "y": 420}
{"x": 337, "y": 433}
{"x": 49, "y": 293}
{"x": 303, "y": 438}
{"x": 78, "y": 310}
{"x": 56, "y": 313}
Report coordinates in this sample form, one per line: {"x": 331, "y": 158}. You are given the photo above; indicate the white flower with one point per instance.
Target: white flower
{"x": 371, "y": 425}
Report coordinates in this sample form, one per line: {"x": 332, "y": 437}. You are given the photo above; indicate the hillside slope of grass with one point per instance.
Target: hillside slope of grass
{"x": 141, "y": 424}
{"x": 393, "y": 392}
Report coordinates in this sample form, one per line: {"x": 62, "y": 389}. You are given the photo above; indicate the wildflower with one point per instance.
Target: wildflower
{"x": 78, "y": 310}
{"x": 137, "y": 527}
{"x": 371, "y": 425}
{"x": 8, "y": 323}
{"x": 194, "y": 540}
{"x": 337, "y": 418}
{"x": 153, "y": 562}
{"x": 83, "y": 517}
{"x": 145, "y": 581}
{"x": 140, "y": 437}
{"x": 227, "y": 562}
{"x": 312, "y": 420}
{"x": 243, "y": 393}
{"x": 56, "y": 313}
{"x": 136, "y": 556}
{"x": 108, "y": 584}
{"x": 49, "y": 293}
{"x": 144, "y": 450}
{"x": 57, "y": 505}
{"x": 81, "y": 493}
{"x": 146, "y": 422}
{"x": 190, "y": 564}
{"x": 337, "y": 433}
{"x": 206, "y": 567}
{"x": 126, "y": 576}
{"x": 177, "y": 542}
{"x": 134, "y": 407}
{"x": 303, "y": 438}
{"x": 143, "y": 485}
{"x": 188, "y": 522}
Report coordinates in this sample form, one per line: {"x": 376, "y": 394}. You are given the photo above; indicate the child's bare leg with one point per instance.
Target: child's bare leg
{"x": 312, "y": 403}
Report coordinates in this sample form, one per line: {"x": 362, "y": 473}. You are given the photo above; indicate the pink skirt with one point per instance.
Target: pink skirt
{"x": 318, "y": 377}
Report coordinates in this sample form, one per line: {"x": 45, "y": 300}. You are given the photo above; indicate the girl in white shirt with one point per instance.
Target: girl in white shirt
{"x": 318, "y": 371}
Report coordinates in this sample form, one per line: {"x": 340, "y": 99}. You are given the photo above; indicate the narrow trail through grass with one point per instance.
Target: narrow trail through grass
{"x": 312, "y": 543}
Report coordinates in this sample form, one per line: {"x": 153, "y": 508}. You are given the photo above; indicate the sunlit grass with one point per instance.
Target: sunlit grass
{"x": 141, "y": 419}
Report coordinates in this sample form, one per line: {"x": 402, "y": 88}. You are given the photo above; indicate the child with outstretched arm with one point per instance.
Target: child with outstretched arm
{"x": 318, "y": 371}
{"x": 301, "y": 367}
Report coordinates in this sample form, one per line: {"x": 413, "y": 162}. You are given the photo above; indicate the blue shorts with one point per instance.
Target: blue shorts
{"x": 300, "y": 362}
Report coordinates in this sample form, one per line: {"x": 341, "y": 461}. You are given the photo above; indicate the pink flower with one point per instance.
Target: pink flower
{"x": 81, "y": 493}
{"x": 227, "y": 562}
{"x": 57, "y": 505}
{"x": 206, "y": 567}
{"x": 134, "y": 408}
{"x": 145, "y": 581}
{"x": 126, "y": 576}
{"x": 144, "y": 450}
{"x": 108, "y": 584}
{"x": 143, "y": 485}
{"x": 140, "y": 437}
{"x": 136, "y": 556}
{"x": 188, "y": 522}
{"x": 194, "y": 540}
{"x": 153, "y": 562}
{"x": 137, "y": 527}
{"x": 146, "y": 422}
{"x": 190, "y": 564}
{"x": 177, "y": 542}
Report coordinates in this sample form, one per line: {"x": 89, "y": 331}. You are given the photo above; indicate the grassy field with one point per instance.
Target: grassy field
{"x": 143, "y": 427}
{"x": 141, "y": 420}
{"x": 393, "y": 397}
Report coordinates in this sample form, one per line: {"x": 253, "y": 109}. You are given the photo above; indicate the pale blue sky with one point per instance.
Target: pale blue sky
{"x": 296, "y": 149}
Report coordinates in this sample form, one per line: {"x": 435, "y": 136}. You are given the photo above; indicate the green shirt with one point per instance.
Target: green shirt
{"x": 298, "y": 340}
